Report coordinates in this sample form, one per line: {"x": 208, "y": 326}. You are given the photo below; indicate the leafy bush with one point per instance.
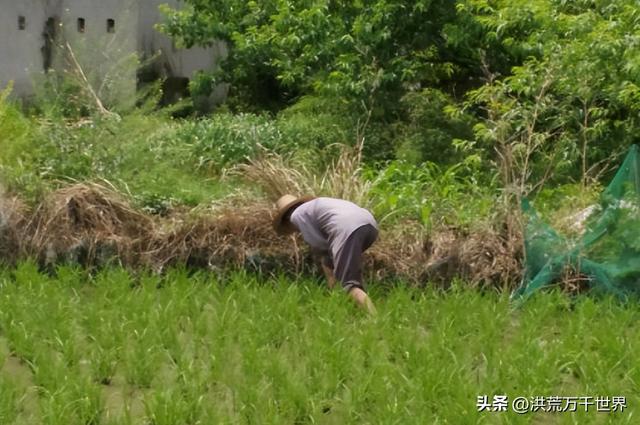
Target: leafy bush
{"x": 567, "y": 110}
{"x": 317, "y": 122}
{"x": 431, "y": 194}
{"x": 39, "y": 153}
{"x": 306, "y": 130}
{"x": 227, "y": 139}
{"x": 16, "y": 132}
{"x": 432, "y": 125}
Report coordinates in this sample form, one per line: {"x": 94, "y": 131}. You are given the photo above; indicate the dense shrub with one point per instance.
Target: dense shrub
{"x": 432, "y": 125}
{"x": 307, "y": 130}
{"x": 226, "y": 139}
{"x": 431, "y": 194}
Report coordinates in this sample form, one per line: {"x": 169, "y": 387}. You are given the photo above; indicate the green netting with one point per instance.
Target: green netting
{"x": 607, "y": 253}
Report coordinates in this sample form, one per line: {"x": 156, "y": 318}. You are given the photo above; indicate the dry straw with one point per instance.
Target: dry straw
{"x": 93, "y": 224}
{"x": 12, "y": 221}
{"x": 227, "y": 236}
{"x": 277, "y": 175}
{"x": 88, "y": 222}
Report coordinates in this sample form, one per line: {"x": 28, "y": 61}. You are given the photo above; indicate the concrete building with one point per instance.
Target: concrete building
{"x": 103, "y": 41}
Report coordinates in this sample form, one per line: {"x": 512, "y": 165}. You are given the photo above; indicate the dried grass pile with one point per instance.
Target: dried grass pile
{"x": 481, "y": 258}
{"x": 399, "y": 253}
{"x": 88, "y": 224}
{"x": 94, "y": 225}
{"x": 488, "y": 257}
{"x": 12, "y": 222}
{"x": 277, "y": 176}
{"x": 230, "y": 236}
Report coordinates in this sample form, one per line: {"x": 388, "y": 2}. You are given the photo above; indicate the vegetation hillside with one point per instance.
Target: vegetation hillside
{"x": 439, "y": 116}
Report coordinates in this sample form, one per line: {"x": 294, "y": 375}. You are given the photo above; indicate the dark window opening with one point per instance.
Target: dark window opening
{"x": 80, "y": 24}
{"x": 49, "y": 37}
{"x": 22, "y": 22}
{"x": 111, "y": 25}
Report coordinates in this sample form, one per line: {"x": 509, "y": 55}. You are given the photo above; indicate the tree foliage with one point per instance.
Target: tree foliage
{"x": 572, "y": 105}
{"x": 552, "y": 86}
{"x": 370, "y": 51}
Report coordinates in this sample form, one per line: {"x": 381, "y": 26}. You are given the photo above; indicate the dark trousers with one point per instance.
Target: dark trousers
{"x": 348, "y": 262}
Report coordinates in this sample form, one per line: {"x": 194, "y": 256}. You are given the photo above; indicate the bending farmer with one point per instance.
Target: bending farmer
{"x": 337, "y": 230}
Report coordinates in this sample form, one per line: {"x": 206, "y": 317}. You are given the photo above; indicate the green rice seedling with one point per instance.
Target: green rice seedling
{"x": 168, "y": 320}
{"x": 173, "y": 406}
{"x": 111, "y": 285}
{"x": 103, "y": 363}
{"x": 71, "y": 277}
{"x": 77, "y": 402}
{"x": 88, "y": 404}
{"x": 103, "y": 326}
{"x": 183, "y": 300}
{"x": 10, "y": 400}
{"x": 22, "y": 310}
{"x": 65, "y": 342}
{"x": 142, "y": 359}
{"x": 177, "y": 348}
{"x": 242, "y": 349}
{"x": 49, "y": 370}
{"x": 20, "y": 342}
{"x": 4, "y": 351}
{"x": 53, "y": 315}
{"x": 26, "y": 275}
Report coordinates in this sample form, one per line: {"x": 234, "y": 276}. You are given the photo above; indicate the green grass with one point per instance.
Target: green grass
{"x": 142, "y": 155}
{"x": 117, "y": 348}
{"x": 163, "y": 162}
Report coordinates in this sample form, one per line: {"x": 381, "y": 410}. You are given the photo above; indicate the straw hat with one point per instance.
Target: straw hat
{"x": 283, "y": 205}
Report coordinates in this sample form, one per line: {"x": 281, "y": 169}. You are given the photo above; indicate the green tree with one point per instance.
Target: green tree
{"x": 367, "y": 52}
{"x": 572, "y": 105}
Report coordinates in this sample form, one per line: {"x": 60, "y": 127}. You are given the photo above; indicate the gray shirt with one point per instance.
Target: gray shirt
{"x": 326, "y": 223}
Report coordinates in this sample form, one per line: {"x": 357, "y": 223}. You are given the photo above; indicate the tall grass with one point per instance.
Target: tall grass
{"x": 342, "y": 178}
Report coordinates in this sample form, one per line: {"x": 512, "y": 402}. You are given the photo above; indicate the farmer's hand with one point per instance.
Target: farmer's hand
{"x": 324, "y": 258}
{"x": 363, "y": 300}
{"x": 328, "y": 273}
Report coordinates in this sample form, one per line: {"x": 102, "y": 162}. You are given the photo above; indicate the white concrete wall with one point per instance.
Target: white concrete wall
{"x": 108, "y": 60}
{"x": 179, "y": 62}
{"x": 21, "y": 57}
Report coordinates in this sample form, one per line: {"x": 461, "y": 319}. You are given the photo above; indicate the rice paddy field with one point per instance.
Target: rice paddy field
{"x": 115, "y": 347}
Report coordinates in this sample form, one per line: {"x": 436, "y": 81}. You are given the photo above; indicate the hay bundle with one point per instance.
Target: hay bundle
{"x": 89, "y": 224}
{"x": 12, "y": 221}
{"x": 238, "y": 236}
{"x": 277, "y": 175}
{"x": 398, "y": 254}
{"x": 490, "y": 258}
{"x": 482, "y": 257}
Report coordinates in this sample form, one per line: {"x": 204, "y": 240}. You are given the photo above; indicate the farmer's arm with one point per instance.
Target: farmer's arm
{"x": 326, "y": 265}
{"x": 328, "y": 273}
